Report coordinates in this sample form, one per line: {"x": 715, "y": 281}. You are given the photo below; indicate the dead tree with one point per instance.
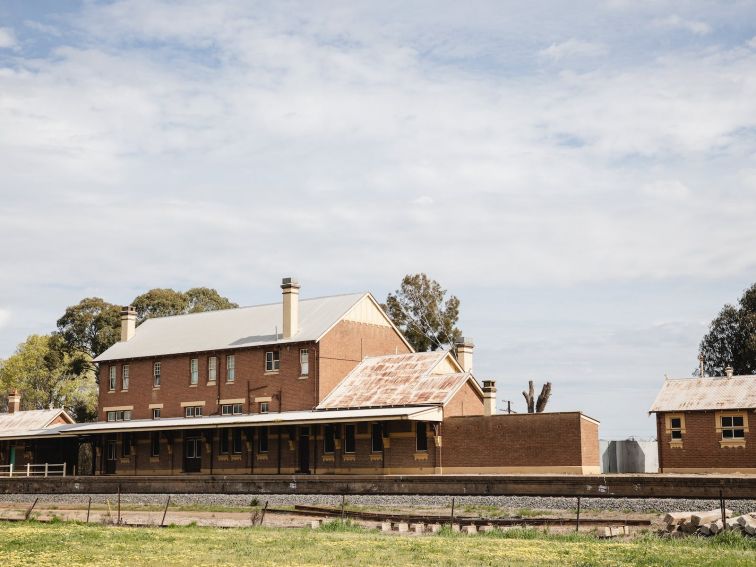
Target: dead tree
{"x": 530, "y": 397}
{"x": 537, "y": 406}
{"x": 543, "y": 397}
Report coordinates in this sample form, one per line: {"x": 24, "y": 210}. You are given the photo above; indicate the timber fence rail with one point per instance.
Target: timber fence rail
{"x": 42, "y": 470}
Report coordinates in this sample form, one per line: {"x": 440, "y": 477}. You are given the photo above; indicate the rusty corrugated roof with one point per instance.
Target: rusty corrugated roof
{"x": 691, "y": 394}
{"x": 30, "y": 421}
{"x": 395, "y": 380}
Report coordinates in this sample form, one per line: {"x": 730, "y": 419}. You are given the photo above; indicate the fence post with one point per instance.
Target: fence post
{"x": 577, "y": 521}
{"x": 64, "y": 469}
{"x": 47, "y": 466}
{"x": 28, "y": 469}
{"x": 11, "y": 471}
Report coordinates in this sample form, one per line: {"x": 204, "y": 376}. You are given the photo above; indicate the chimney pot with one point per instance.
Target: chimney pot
{"x": 128, "y": 322}
{"x": 464, "y": 347}
{"x": 14, "y": 402}
{"x": 728, "y": 371}
{"x": 290, "y": 288}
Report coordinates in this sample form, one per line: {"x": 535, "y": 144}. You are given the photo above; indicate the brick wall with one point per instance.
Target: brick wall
{"x": 347, "y": 344}
{"x": 701, "y": 450}
{"x": 466, "y": 401}
{"x": 542, "y": 442}
{"x": 297, "y": 392}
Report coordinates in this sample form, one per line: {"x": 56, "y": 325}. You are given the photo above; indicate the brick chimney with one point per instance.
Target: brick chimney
{"x": 14, "y": 402}
{"x": 290, "y": 288}
{"x": 128, "y": 322}
{"x": 728, "y": 371}
{"x": 464, "y": 346}
{"x": 489, "y": 397}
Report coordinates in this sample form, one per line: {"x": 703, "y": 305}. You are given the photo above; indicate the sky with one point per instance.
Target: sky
{"x": 580, "y": 174}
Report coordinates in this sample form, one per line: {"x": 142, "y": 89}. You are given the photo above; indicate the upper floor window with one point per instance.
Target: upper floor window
{"x": 125, "y": 377}
{"x": 421, "y": 436}
{"x": 230, "y": 368}
{"x": 112, "y": 378}
{"x": 156, "y": 374}
{"x": 231, "y": 409}
{"x": 212, "y": 368}
{"x": 156, "y": 413}
{"x": 304, "y": 362}
{"x": 349, "y": 438}
{"x": 272, "y": 361}
{"x": 733, "y": 427}
{"x": 194, "y": 371}
{"x": 193, "y": 411}
{"x": 263, "y": 407}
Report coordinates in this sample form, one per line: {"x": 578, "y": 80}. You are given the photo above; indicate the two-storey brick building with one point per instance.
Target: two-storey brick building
{"x": 326, "y": 385}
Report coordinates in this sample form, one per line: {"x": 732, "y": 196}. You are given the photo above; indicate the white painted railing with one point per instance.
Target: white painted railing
{"x": 43, "y": 470}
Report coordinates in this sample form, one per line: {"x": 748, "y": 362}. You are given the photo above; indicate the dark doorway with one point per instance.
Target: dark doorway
{"x": 304, "y": 450}
{"x": 111, "y": 456}
{"x": 193, "y": 454}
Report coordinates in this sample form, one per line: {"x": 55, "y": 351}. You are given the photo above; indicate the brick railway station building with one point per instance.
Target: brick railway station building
{"x": 315, "y": 386}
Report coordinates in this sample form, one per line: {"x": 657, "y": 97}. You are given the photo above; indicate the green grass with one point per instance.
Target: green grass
{"x": 75, "y": 544}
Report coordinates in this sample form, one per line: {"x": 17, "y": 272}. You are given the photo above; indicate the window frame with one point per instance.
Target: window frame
{"x": 350, "y": 438}
{"x": 421, "y": 447}
{"x": 156, "y": 368}
{"x": 732, "y": 427}
{"x": 192, "y": 411}
{"x": 212, "y": 368}
{"x": 156, "y": 413}
{"x": 112, "y": 378}
{"x": 263, "y": 443}
{"x": 264, "y": 407}
{"x": 230, "y": 368}
{"x": 376, "y": 432}
{"x": 272, "y": 361}
{"x": 304, "y": 362}
{"x": 329, "y": 439}
{"x": 125, "y": 377}
{"x": 721, "y": 428}
{"x": 194, "y": 371}
{"x": 154, "y": 443}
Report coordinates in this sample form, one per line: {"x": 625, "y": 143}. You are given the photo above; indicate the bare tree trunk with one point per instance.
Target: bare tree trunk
{"x": 530, "y": 397}
{"x": 543, "y": 397}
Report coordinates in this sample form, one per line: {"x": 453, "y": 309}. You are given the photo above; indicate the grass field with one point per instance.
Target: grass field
{"x": 73, "y": 544}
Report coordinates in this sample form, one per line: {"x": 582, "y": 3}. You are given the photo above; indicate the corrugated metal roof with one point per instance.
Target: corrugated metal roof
{"x": 427, "y": 413}
{"x": 394, "y": 380}
{"x": 230, "y": 328}
{"x": 691, "y": 394}
{"x": 29, "y": 423}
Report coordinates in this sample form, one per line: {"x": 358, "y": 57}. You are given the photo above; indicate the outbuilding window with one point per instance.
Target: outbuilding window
{"x": 732, "y": 427}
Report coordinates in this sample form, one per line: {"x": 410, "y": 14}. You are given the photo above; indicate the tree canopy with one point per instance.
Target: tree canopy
{"x": 420, "y": 310}
{"x": 49, "y": 376}
{"x": 731, "y": 340}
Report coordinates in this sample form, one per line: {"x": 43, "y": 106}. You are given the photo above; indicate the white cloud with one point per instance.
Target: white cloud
{"x": 667, "y": 189}
{"x": 572, "y": 48}
{"x": 4, "y": 317}
{"x": 752, "y": 42}
{"x": 676, "y": 22}
{"x": 7, "y": 38}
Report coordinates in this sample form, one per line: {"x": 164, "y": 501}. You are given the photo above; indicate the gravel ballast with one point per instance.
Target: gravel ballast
{"x": 626, "y": 505}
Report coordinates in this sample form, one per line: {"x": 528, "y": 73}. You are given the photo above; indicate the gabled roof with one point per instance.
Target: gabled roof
{"x": 30, "y": 423}
{"x": 231, "y": 328}
{"x": 419, "y": 378}
{"x": 695, "y": 394}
